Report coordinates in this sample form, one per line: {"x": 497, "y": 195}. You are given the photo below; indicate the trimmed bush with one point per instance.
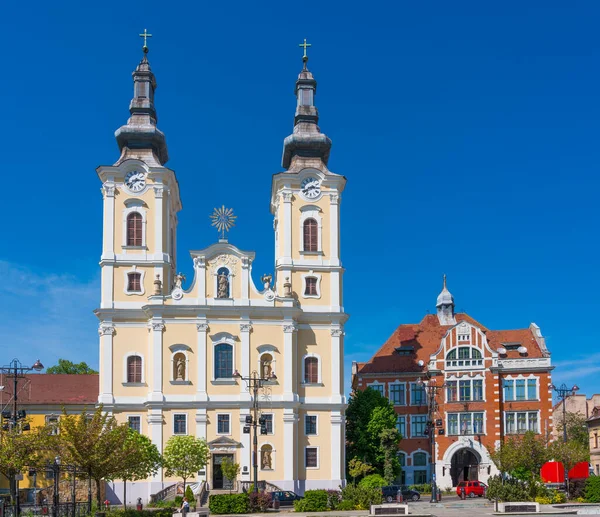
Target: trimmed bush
{"x": 345, "y": 506}
{"x": 259, "y": 501}
{"x": 372, "y": 481}
{"x": 424, "y": 488}
{"x": 314, "y": 501}
{"x": 229, "y": 503}
{"x": 333, "y": 499}
{"x": 592, "y": 489}
{"x": 189, "y": 493}
{"x": 360, "y": 497}
{"x": 163, "y": 512}
{"x": 508, "y": 490}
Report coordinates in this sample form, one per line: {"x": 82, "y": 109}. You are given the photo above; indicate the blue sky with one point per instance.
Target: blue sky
{"x": 468, "y": 132}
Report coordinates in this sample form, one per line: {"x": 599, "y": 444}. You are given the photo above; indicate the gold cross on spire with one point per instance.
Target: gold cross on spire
{"x": 305, "y": 57}
{"x": 145, "y": 35}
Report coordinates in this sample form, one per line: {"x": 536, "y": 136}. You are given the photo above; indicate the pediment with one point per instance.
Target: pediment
{"x": 223, "y": 442}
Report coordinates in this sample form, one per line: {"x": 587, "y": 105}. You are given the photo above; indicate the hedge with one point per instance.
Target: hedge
{"x": 229, "y": 503}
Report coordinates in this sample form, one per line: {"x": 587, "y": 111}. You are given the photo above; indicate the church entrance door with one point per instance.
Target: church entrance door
{"x": 464, "y": 466}
{"x": 220, "y": 482}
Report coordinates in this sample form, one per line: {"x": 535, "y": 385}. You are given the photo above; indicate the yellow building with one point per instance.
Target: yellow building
{"x": 43, "y": 397}
{"x": 169, "y": 348}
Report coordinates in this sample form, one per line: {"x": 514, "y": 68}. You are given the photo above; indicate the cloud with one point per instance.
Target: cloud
{"x": 47, "y": 315}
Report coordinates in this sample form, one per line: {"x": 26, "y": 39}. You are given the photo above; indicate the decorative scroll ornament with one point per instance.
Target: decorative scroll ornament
{"x": 223, "y": 260}
{"x": 245, "y": 327}
{"x": 202, "y": 327}
{"x": 156, "y": 327}
{"x": 337, "y": 332}
{"x": 289, "y": 328}
{"x": 199, "y": 262}
{"x": 106, "y": 329}
{"x": 223, "y": 219}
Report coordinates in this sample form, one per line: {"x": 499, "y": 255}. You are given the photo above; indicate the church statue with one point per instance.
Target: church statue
{"x": 179, "y": 279}
{"x": 223, "y": 286}
{"x": 266, "y": 369}
{"x": 265, "y": 463}
{"x": 180, "y": 369}
{"x": 266, "y": 280}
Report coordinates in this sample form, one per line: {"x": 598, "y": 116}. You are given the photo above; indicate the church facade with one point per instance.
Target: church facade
{"x": 172, "y": 352}
{"x": 458, "y": 389}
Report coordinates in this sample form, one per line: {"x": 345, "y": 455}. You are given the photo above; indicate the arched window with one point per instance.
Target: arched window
{"x": 464, "y": 356}
{"x": 179, "y": 367}
{"x": 223, "y": 284}
{"x": 134, "y": 229}
{"x": 419, "y": 459}
{"x": 311, "y": 235}
{"x": 311, "y": 370}
{"x": 134, "y": 369}
{"x": 134, "y": 284}
{"x": 223, "y": 361}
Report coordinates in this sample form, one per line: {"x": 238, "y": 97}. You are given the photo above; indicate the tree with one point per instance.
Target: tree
{"x": 147, "y": 460}
{"x": 577, "y": 429}
{"x": 569, "y": 454}
{"x": 184, "y": 456}
{"x": 363, "y": 442}
{"x": 521, "y": 456}
{"x": 384, "y": 439}
{"x": 389, "y": 439}
{"x": 230, "y": 470}
{"x": 97, "y": 443}
{"x": 357, "y": 468}
{"x": 65, "y": 366}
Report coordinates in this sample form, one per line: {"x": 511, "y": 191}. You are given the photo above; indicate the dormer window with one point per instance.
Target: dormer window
{"x": 405, "y": 350}
{"x": 511, "y": 346}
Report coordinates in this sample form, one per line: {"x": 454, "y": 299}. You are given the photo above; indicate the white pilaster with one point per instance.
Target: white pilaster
{"x": 334, "y": 229}
{"x": 200, "y": 264}
{"x": 337, "y": 364}
{"x": 245, "y": 330}
{"x": 159, "y": 191}
{"x": 245, "y": 279}
{"x": 201, "y": 365}
{"x": 246, "y": 451}
{"x": 155, "y": 430}
{"x": 106, "y": 331}
{"x": 156, "y": 327}
{"x": 108, "y": 241}
{"x": 201, "y": 422}
{"x": 290, "y": 445}
{"x": 337, "y": 442}
{"x": 107, "y": 291}
{"x": 290, "y": 360}
{"x": 287, "y": 227}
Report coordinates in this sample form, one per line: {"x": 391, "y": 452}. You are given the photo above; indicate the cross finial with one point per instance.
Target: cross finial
{"x": 305, "y": 57}
{"x": 145, "y": 35}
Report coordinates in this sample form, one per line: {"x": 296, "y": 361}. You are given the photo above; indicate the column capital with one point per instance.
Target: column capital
{"x": 290, "y": 328}
{"x": 337, "y": 332}
{"x": 106, "y": 329}
{"x": 287, "y": 196}
{"x": 199, "y": 262}
{"x": 202, "y": 327}
{"x": 334, "y": 199}
{"x": 158, "y": 191}
{"x": 108, "y": 189}
{"x": 246, "y": 327}
{"x": 156, "y": 326}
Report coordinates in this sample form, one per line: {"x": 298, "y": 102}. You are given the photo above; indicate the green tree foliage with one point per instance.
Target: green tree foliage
{"x": 389, "y": 439}
{"x": 592, "y": 489}
{"x": 357, "y": 468}
{"x": 569, "y": 454}
{"x": 147, "y": 460}
{"x": 97, "y": 443}
{"x": 189, "y": 494}
{"x": 521, "y": 456}
{"x": 230, "y": 470}
{"x": 314, "y": 501}
{"x": 65, "y": 366}
{"x": 229, "y": 503}
{"x": 372, "y": 481}
{"x": 509, "y": 490}
{"x": 184, "y": 456}
{"x": 577, "y": 429}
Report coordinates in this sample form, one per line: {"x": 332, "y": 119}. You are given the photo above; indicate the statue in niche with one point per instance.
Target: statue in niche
{"x": 180, "y": 368}
{"x": 265, "y": 460}
{"x": 179, "y": 279}
{"x": 266, "y": 280}
{"x": 266, "y": 369}
{"x": 222, "y": 284}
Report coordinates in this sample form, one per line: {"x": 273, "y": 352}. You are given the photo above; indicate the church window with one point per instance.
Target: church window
{"x": 311, "y": 370}
{"x": 310, "y": 424}
{"x": 311, "y": 235}
{"x": 311, "y": 286}
{"x": 134, "y": 284}
{"x": 223, "y": 361}
{"x": 311, "y": 455}
{"x": 223, "y": 424}
{"x": 420, "y": 459}
{"x": 134, "y": 369}
{"x": 134, "y": 229}
{"x": 179, "y": 423}
{"x": 135, "y": 423}
{"x": 179, "y": 367}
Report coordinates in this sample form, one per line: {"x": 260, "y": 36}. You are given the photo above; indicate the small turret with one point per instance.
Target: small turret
{"x": 445, "y": 306}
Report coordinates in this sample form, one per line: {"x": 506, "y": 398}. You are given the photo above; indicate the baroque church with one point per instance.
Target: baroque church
{"x": 174, "y": 355}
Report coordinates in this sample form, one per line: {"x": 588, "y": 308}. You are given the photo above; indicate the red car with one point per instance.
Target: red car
{"x": 471, "y": 488}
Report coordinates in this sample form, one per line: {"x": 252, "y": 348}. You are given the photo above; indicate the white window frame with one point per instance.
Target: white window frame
{"x": 311, "y": 274}
{"x": 318, "y": 457}
{"x": 134, "y": 269}
{"x": 468, "y": 364}
{"x": 54, "y": 424}
{"x": 272, "y": 422}
{"x": 453, "y": 378}
{"x": 513, "y": 378}
{"x": 412, "y": 418}
{"x": 311, "y": 212}
{"x": 127, "y": 356}
{"x": 406, "y": 427}
{"x": 319, "y": 381}
{"x": 135, "y": 416}
{"x": 397, "y": 382}
{"x": 273, "y": 466}
{"x": 217, "y": 339}
{"x": 228, "y": 415}
{"x": 459, "y": 430}
{"x": 186, "y": 424}
{"x": 317, "y": 424}
{"x": 424, "y": 400}
{"x": 527, "y": 411}
{"x": 377, "y": 383}
{"x": 134, "y": 205}
{"x": 412, "y": 458}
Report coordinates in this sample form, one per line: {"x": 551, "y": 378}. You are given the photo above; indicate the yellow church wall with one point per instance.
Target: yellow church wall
{"x": 322, "y": 440}
{"x": 180, "y": 334}
{"x": 119, "y": 283}
{"x": 127, "y": 340}
{"x": 298, "y": 230}
{"x": 298, "y": 288}
{"x": 149, "y": 205}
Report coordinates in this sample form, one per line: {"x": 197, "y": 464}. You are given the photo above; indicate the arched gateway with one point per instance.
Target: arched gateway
{"x": 464, "y": 466}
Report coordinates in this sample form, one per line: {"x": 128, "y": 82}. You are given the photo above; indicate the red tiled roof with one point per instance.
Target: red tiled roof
{"x": 57, "y": 389}
{"x": 425, "y": 338}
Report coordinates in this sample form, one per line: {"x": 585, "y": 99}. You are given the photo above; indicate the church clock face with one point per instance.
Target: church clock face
{"x": 310, "y": 187}
{"x": 135, "y": 181}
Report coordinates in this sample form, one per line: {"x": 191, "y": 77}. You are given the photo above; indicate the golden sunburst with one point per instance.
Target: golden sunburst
{"x": 223, "y": 219}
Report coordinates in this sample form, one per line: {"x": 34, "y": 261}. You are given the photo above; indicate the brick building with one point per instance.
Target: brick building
{"x": 491, "y": 383}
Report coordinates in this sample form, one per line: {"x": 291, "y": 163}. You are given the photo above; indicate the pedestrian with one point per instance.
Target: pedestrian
{"x": 185, "y": 507}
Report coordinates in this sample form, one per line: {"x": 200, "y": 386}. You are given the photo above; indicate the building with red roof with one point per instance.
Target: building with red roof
{"x": 459, "y": 388}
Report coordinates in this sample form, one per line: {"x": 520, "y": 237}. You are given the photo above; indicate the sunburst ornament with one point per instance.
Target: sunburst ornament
{"x": 223, "y": 219}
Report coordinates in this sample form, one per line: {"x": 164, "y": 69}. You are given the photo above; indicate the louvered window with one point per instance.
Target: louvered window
{"x": 134, "y": 369}
{"x": 311, "y": 236}
{"x": 311, "y": 370}
{"x": 134, "y": 229}
{"x": 134, "y": 282}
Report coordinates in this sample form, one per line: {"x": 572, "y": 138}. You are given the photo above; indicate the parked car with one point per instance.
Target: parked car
{"x": 472, "y": 488}
{"x": 390, "y": 492}
{"x": 286, "y": 498}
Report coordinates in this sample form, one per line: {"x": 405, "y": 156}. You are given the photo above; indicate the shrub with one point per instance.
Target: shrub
{"x": 259, "y": 501}
{"x": 163, "y": 512}
{"x": 189, "y": 494}
{"x": 592, "y": 489}
{"x": 543, "y": 500}
{"x": 360, "y": 497}
{"x": 449, "y": 490}
{"x": 424, "y": 488}
{"x": 576, "y": 488}
{"x": 229, "y": 503}
{"x": 178, "y": 500}
{"x": 372, "y": 481}
{"x": 314, "y": 501}
{"x": 333, "y": 499}
{"x": 508, "y": 490}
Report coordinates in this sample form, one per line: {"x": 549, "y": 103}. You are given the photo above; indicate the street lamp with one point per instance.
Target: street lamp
{"x": 431, "y": 389}
{"x": 16, "y": 370}
{"x": 55, "y": 496}
{"x": 563, "y": 392}
{"x": 254, "y": 383}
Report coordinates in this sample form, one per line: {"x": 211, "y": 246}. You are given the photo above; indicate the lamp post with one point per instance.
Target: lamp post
{"x": 55, "y": 495}
{"x": 563, "y": 392}
{"x": 254, "y": 383}
{"x": 431, "y": 389}
{"x": 16, "y": 370}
